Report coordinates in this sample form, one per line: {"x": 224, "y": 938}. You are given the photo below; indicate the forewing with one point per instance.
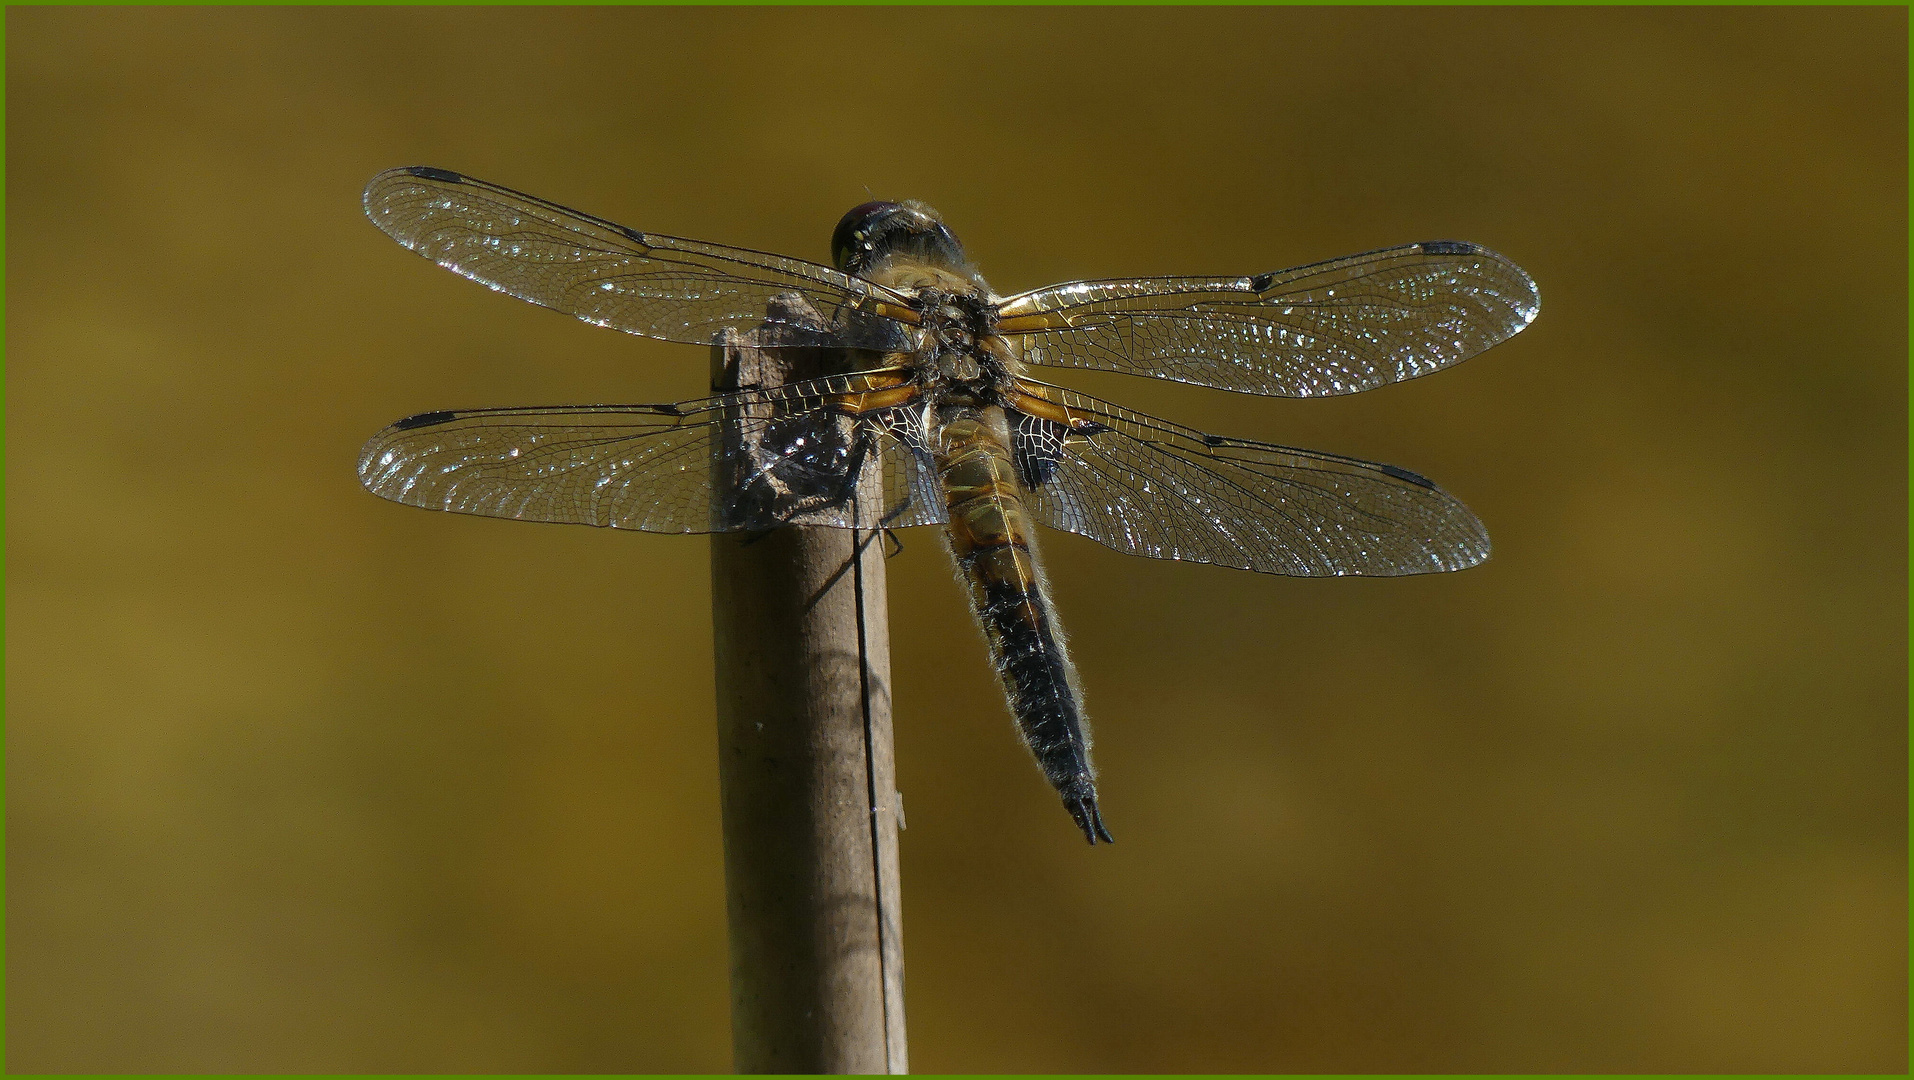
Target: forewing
{"x": 1147, "y": 487}
{"x": 604, "y": 273}
{"x": 745, "y": 461}
{"x": 1334, "y": 327}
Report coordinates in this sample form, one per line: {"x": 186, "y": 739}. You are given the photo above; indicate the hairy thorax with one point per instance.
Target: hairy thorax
{"x": 961, "y": 360}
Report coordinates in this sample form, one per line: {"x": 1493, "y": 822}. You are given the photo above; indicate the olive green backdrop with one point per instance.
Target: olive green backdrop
{"x": 298, "y": 779}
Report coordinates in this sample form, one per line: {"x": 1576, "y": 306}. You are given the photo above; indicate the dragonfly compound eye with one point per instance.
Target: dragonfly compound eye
{"x": 873, "y": 231}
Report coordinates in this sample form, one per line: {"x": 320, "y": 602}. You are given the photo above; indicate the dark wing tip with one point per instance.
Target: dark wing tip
{"x": 425, "y": 419}
{"x": 1403, "y": 474}
{"x": 1527, "y": 305}
{"x": 375, "y": 192}
{"x": 427, "y": 172}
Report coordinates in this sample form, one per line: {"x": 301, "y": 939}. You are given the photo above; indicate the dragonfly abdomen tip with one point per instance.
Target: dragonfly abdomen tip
{"x": 1089, "y": 819}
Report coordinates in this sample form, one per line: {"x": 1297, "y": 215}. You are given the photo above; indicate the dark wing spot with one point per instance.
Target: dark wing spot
{"x": 1090, "y": 427}
{"x": 445, "y": 176}
{"x": 1215, "y": 440}
{"x": 1404, "y": 474}
{"x": 424, "y": 419}
{"x": 633, "y": 234}
{"x": 1448, "y": 247}
{"x": 1261, "y": 281}
{"x": 1037, "y": 448}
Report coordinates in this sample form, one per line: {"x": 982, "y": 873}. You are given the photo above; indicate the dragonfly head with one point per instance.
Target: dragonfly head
{"x": 877, "y": 231}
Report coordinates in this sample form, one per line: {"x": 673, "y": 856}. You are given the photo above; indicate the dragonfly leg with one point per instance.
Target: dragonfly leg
{"x": 891, "y": 534}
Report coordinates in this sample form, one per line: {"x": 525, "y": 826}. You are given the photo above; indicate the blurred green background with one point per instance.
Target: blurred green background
{"x": 298, "y": 779}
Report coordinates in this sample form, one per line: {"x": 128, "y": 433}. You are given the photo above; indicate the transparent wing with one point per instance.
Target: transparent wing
{"x": 1334, "y": 327}
{"x": 745, "y": 461}
{"x": 1147, "y": 487}
{"x": 604, "y": 273}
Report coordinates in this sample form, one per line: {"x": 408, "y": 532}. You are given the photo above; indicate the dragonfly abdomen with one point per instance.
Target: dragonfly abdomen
{"x": 991, "y": 539}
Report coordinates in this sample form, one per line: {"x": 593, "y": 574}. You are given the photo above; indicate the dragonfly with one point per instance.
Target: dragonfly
{"x": 931, "y": 414}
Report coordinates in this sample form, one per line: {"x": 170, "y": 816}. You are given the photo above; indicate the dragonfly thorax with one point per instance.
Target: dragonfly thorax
{"x": 961, "y": 351}
{"x": 959, "y": 367}
{"x": 955, "y": 322}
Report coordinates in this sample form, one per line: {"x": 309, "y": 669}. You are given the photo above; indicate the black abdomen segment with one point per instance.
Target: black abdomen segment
{"x": 1036, "y": 675}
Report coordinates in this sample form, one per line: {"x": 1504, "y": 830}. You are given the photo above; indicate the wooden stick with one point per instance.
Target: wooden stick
{"x": 808, "y": 787}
